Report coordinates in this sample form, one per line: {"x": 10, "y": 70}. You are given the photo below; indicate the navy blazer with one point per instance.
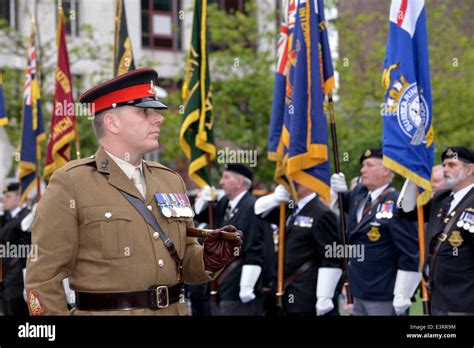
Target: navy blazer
{"x": 388, "y": 244}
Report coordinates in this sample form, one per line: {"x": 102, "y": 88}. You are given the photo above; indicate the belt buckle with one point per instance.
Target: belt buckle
{"x": 442, "y": 237}
{"x": 159, "y": 291}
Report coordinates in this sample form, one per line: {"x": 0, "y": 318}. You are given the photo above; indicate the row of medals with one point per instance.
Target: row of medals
{"x": 384, "y": 211}
{"x": 466, "y": 221}
{"x": 174, "y": 211}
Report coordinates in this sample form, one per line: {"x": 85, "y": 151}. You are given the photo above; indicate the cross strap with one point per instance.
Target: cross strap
{"x": 151, "y": 220}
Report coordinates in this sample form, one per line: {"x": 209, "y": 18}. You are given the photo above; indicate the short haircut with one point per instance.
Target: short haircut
{"x": 99, "y": 128}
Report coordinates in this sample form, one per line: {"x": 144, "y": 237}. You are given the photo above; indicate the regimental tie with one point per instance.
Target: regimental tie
{"x": 137, "y": 181}
{"x": 447, "y": 207}
{"x": 360, "y": 212}
{"x": 292, "y": 215}
{"x": 228, "y": 212}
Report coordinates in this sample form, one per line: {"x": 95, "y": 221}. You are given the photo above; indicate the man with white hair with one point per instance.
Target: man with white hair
{"x": 450, "y": 234}
{"x": 386, "y": 279}
{"x": 239, "y": 285}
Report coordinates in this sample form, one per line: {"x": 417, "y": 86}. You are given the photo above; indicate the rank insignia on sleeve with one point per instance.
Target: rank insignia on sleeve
{"x": 456, "y": 239}
{"x": 374, "y": 234}
{"x": 34, "y": 302}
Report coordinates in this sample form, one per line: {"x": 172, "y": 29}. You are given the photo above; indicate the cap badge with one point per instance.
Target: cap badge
{"x": 153, "y": 90}
{"x": 367, "y": 153}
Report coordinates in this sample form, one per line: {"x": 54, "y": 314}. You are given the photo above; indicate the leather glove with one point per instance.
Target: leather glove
{"x": 407, "y": 196}
{"x": 338, "y": 182}
{"x": 219, "y": 252}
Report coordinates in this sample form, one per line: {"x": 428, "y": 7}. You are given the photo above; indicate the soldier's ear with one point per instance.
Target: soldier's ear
{"x": 111, "y": 122}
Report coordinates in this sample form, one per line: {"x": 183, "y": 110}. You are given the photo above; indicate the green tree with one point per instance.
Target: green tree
{"x": 362, "y": 42}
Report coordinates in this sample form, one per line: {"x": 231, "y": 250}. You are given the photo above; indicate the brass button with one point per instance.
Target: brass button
{"x": 149, "y": 207}
{"x": 108, "y": 215}
{"x": 93, "y": 156}
{"x": 156, "y": 235}
{"x": 161, "y": 263}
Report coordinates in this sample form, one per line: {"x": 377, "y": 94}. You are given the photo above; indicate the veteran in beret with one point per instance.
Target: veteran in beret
{"x": 449, "y": 267}
{"x": 115, "y": 224}
{"x": 385, "y": 279}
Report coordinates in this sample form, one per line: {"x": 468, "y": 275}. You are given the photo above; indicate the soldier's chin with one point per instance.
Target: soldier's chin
{"x": 450, "y": 182}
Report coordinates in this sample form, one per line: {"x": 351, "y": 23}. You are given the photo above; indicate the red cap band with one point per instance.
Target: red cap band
{"x": 122, "y": 95}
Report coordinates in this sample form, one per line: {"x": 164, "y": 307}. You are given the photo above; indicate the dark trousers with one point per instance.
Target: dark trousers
{"x": 17, "y": 307}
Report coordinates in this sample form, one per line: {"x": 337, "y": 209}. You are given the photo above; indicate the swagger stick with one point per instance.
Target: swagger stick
{"x": 421, "y": 241}
{"x": 205, "y": 233}
{"x": 281, "y": 256}
{"x": 342, "y": 223}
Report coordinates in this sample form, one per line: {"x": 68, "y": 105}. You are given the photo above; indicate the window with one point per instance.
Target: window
{"x": 160, "y": 25}
{"x": 71, "y": 17}
{"x": 8, "y": 12}
{"x": 230, "y": 6}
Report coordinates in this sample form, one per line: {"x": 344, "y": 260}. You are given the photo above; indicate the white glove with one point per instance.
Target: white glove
{"x": 206, "y": 195}
{"x": 269, "y": 202}
{"x": 407, "y": 196}
{"x": 24, "y": 290}
{"x": 28, "y": 220}
{"x": 405, "y": 286}
{"x": 70, "y": 294}
{"x": 248, "y": 279}
{"x": 338, "y": 182}
{"x": 327, "y": 282}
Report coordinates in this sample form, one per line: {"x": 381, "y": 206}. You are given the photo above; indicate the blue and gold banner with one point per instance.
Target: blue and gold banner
{"x": 298, "y": 138}
{"x": 408, "y": 135}
{"x": 32, "y": 126}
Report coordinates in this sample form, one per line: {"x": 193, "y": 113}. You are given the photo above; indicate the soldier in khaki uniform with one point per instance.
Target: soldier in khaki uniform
{"x": 88, "y": 231}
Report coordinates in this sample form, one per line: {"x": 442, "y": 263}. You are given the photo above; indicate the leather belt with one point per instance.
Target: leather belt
{"x": 156, "y": 297}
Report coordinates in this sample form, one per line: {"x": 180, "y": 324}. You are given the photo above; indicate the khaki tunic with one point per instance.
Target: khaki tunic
{"x": 86, "y": 230}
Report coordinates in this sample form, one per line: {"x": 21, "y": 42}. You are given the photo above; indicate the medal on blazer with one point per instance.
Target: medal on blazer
{"x": 466, "y": 221}
{"x": 385, "y": 210}
{"x": 163, "y": 204}
{"x": 303, "y": 221}
{"x": 455, "y": 240}
{"x": 374, "y": 233}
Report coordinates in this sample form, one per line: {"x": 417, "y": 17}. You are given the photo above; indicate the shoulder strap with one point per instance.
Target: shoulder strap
{"x": 151, "y": 220}
{"x": 444, "y": 235}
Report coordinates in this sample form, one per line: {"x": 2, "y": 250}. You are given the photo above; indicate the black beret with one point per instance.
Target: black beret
{"x": 136, "y": 88}
{"x": 462, "y": 153}
{"x": 12, "y": 187}
{"x": 240, "y": 169}
{"x": 375, "y": 152}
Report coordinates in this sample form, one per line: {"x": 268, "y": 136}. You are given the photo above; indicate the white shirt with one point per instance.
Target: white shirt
{"x": 233, "y": 203}
{"x": 458, "y": 196}
{"x": 303, "y": 201}
{"x": 15, "y": 212}
{"x": 128, "y": 168}
{"x": 373, "y": 196}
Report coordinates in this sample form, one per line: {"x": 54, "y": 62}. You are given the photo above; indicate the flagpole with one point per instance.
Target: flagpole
{"x": 281, "y": 257}
{"x": 38, "y": 153}
{"x": 421, "y": 240}
{"x": 342, "y": 223}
